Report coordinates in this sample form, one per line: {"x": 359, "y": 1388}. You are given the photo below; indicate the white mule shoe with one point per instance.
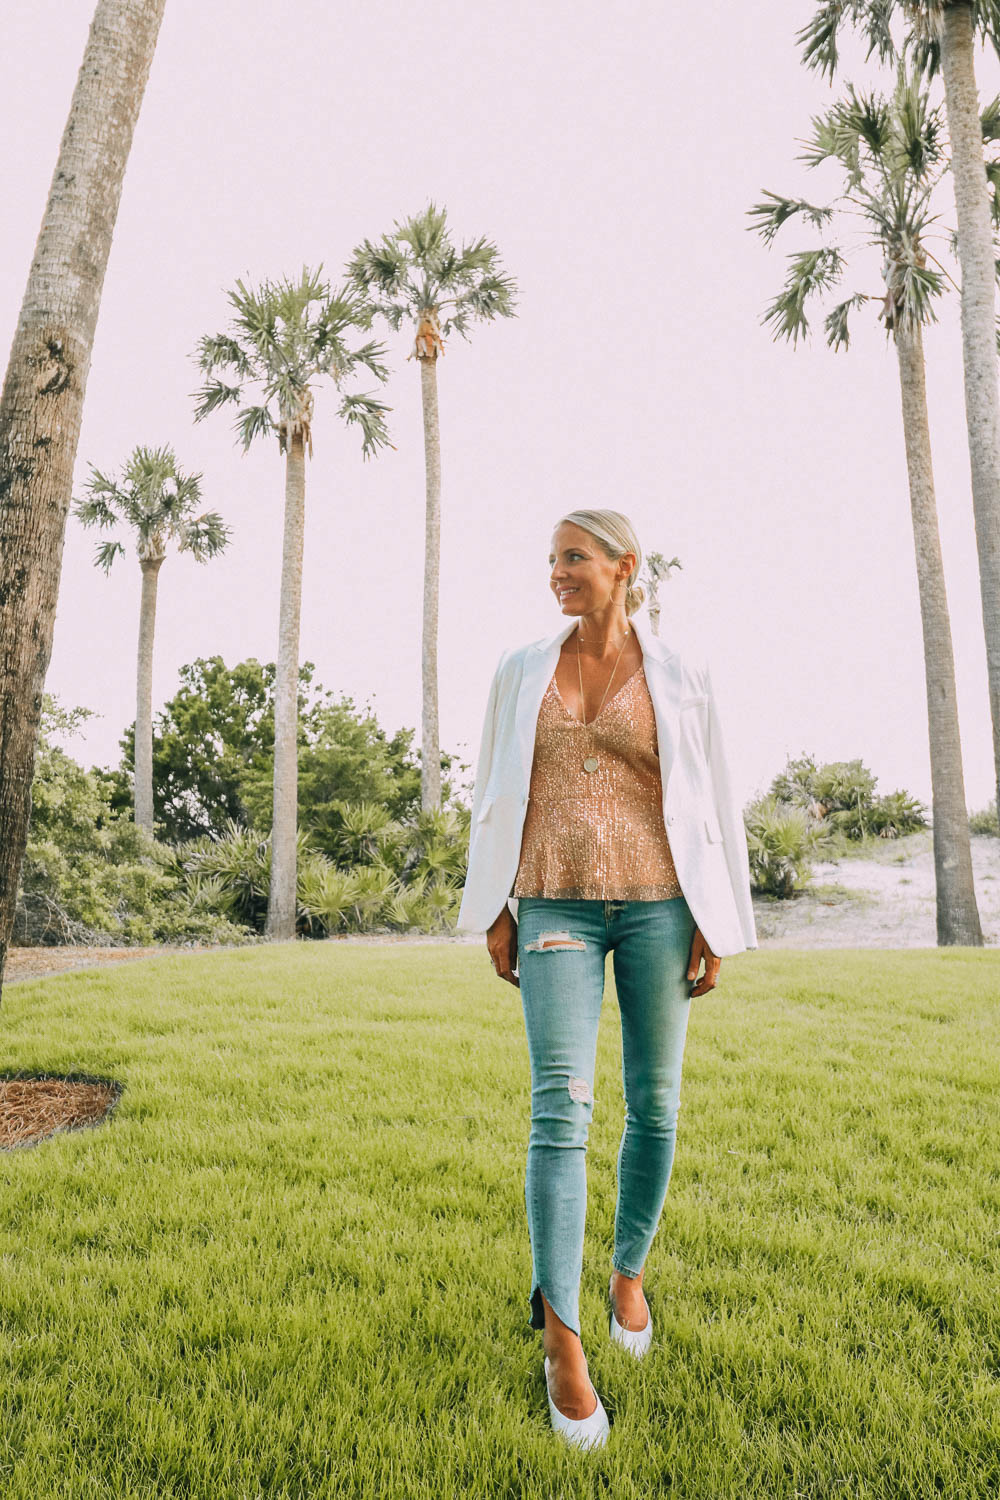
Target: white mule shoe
{"x": 636, "y": 1342}
{"x": 582, "y": 1432}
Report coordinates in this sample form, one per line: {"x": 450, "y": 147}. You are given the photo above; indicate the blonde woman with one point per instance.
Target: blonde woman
{"x": 603, "y": 819}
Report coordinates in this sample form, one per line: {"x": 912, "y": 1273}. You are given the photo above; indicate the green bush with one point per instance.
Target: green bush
{"x": 412, "y": 876}
{"x": 841, "y": 794}
{"x": 986, "y": 820}
{"x": 782, "y": 840}
{"x": 89, "y": 874}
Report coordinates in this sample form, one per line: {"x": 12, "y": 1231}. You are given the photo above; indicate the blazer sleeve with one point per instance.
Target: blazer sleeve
{"x": 730, "y": 813}
{"x": 486, "y": 741}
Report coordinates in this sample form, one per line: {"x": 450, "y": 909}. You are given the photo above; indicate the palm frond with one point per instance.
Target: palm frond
{"x": 212, "y": 395}
{"x": 251, "y": 422}
{"x": 492, "y": 297}
{"x": 811, "y": 271}
{"x": 368, "y": 413}
{"x": 225, "y": 351}
{"x": 425, "y": 233}
{"x": 204, "y": 536}
{"x": 993, "y": 178}
{"x": 382, "y": 266}
{"x": 818, "y": 38}
{"x": 105, "y": 554}
{"x": 769, "y": 217}
{"x": 835, "y": 322}
{"x": 370, "y": 356}
{"x": 95, "y": 510}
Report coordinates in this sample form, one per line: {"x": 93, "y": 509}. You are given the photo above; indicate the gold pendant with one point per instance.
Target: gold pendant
{"x": 591, "y": 763}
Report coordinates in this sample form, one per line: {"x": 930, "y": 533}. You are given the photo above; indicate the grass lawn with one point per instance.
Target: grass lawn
{"x": 295, "y": 1262}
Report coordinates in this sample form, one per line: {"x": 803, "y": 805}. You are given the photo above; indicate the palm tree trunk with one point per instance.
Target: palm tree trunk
{"x": 957, "y": 912}
{"x": 281, "y": 905}
{"x": 430, "y": 735}
{"x": 143, "y": 793}
{"x": 42, "y": 402}
{"x": 979, "y": 349}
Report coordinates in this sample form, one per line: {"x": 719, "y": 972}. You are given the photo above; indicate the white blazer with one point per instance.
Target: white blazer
{"x": 703, "y": 820}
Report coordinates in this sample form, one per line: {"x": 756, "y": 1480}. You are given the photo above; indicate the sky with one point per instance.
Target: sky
{"x": 612, "y": 159}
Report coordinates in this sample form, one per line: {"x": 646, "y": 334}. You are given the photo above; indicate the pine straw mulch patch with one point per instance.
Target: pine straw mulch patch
{"x": 34, "y": 1107}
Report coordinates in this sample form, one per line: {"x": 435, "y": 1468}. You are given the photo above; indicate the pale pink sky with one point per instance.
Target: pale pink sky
{"x": 612, "y": 158}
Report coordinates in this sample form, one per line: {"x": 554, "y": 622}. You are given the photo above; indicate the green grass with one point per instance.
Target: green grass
{"x": 295, "y": 1262}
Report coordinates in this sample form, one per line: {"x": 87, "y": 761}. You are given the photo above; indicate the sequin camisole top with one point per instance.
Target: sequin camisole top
{"x": 597, "y": 835}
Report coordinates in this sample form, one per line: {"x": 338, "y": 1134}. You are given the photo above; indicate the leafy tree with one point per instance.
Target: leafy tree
{"x": 892, "y": 156}
{"x": 158, "y": 501}
{"x": 285, "y": 337}
{"x": 213, "y": 755}
{"x": 415, "y": 274}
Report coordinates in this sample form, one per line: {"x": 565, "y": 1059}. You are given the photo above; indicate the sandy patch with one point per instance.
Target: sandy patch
{"x": 884, "y": 900}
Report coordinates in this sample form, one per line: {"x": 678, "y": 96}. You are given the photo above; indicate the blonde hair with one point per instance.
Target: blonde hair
{"x": 615, "y": 535}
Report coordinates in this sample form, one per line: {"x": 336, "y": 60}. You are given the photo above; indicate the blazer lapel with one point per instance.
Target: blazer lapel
{"x": 663, "y": 676}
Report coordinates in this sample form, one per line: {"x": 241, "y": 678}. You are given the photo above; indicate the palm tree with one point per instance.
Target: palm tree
{"x": 415, "y": 273}
{"x": 657, "y": 569}
{"x": 42, "y": 402}
{"x": 158, "y": 501}
{"x": 284, "y": 337}
{"x": 893, "y": 158}
{"x": 943, "y": 33}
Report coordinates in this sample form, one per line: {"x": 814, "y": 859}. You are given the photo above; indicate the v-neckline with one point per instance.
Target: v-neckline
{"x": 604, "y": 706}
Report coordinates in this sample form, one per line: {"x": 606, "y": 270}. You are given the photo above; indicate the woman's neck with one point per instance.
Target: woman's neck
{"x": 602, "y": 629}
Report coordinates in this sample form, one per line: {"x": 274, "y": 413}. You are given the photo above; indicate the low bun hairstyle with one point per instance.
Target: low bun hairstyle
{"x": 615, "y": 535}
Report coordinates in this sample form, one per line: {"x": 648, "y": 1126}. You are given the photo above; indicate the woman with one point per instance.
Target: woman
{"x": 580, "y": 846}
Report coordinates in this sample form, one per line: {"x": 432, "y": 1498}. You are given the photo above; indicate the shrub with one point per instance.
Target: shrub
{"x": 986, "y": 820}
{"x": 89, "y": 874}
{"x": 781, "y": 841}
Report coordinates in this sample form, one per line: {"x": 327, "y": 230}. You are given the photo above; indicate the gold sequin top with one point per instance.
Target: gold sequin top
{"x": 597, "y": 835}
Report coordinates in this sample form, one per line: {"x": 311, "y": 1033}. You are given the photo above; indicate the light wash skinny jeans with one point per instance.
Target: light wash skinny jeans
{"x": 561, "y": 952}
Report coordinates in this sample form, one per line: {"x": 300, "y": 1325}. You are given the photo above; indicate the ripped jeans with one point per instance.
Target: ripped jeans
{"x": 561, "y": 957}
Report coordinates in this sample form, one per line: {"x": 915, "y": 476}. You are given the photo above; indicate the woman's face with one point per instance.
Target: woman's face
{"x": 581, "y": 575}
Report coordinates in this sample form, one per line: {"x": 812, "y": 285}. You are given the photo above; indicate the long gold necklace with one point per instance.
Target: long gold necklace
{"x": 591, "y": 763}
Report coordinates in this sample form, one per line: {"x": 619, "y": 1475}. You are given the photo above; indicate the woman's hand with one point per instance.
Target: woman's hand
{"x": 501, "y": 940}
{"x": 700, "y": 950}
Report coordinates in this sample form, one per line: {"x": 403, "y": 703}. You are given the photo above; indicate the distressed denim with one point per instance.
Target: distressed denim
{"x": 562, "y": 946}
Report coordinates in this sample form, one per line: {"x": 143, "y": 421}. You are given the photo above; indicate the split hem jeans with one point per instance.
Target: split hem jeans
{"x": 562, "y": 945}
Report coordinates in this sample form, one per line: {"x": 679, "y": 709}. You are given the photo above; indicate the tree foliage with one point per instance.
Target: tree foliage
{"x": 213, "y": 755}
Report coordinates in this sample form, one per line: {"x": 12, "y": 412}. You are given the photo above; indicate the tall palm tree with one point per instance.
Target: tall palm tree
{"x": 284, "y": 337}
{"x": 42, "y": 402}
{"x": 893, "y": 158}
{"x": 416, "y": 274}
{"x": 158, "y": 502}
{"x": 943, "y": 34}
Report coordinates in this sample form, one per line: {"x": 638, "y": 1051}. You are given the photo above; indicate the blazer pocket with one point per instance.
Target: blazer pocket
{"x": 488, "y": 802}
{"x": 713, "y": 829}
{"x": 694, "y": 702}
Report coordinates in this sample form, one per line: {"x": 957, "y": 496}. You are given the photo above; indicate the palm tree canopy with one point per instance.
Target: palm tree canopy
{"x": 284, "y": 336}
{"x": 892, "y": 153}
{"x": 157, "y": 500}
{"x": 416, "y": 272}
{"x": 918, "y": 29}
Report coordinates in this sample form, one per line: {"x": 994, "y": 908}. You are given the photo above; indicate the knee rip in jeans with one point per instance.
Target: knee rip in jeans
{"x": 579, "y": 1089}
{"x": 556, "y": 942}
